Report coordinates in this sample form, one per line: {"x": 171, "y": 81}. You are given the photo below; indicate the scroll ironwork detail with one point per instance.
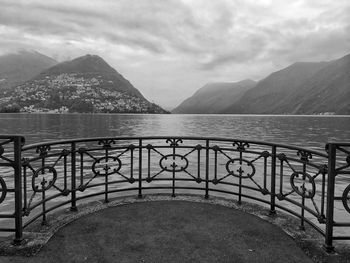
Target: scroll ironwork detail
{"x": 3, "y": 190}
{"x": 240, "y": 170}
{"x": 45, "y": 183}
{"x": 173, "y": 161}
{"x": 346, "y": 198}
{"x": 106, "y": 165}
{"x": 304, "y": 180}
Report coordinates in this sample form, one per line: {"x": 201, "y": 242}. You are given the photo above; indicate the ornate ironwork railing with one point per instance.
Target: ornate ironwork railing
{"x": 39, "y": 178}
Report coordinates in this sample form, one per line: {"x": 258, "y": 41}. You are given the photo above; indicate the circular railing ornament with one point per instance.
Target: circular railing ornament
{"x": 241, "y": 166}
{"x": 304, "y": 180}
{"x": 173, "y": 163}
{"x": 43, "y": 173}
{"x": 106, "y": 165}
{"x": 3, "y": 190}
{"x": 346, "y": 198}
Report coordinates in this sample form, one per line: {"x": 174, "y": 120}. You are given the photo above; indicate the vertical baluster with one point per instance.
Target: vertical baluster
{"x": 240, "y": 178}
{"x": 43, "y": 160}
{"x": 173, "y": 181}
{"x": 24, "y": 188}
{"x": 302, "y": 220}
{"x": 330, "y": 197}
{"x": 65, "y": 172}
{"x": 273, "y": 181}
{"x": 43, "y": 155}
{"x": 106, "y": 187}
{"x": 149, "y": 163}
{"x": 43, "y": 196}
{"x": 281, "y": 178}
{"x": 199, "y": 164}
{"x": 323, "y": 192}
{"x": 140, "y": 168}
{"x": 106, "y": 176}
{"x": 73, "y": 178}
{"x": 81, "y": 168}
{"x": 132, "y": 164}
{"x": 215, "y": 165}
{"x": 207, "y": 170}
{"x": 17, "y": 166}
{"x": 265, "y": 172}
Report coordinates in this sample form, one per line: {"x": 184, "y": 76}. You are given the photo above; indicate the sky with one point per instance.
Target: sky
{"x": 168, "y": 49}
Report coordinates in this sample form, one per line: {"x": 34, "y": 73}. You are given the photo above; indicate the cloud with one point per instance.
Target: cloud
{"x": 159, "y": 44}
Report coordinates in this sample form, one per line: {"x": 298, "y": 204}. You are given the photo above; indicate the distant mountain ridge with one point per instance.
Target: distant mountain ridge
{"x": 15, "y": 68}
{"x": 214, "y": 97}
{"x": 83, "y": 64}
{"x": 30, "y": 81}
{"x": 275, "y": 89}
{"x": 301, "y": 88}
{"x": 328, "y": 90}
{"x": 93, "y": 65}
{"x": 84, "y": 84}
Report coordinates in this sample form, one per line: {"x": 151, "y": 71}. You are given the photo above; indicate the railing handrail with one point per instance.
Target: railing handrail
{"x": 256, "y": 142}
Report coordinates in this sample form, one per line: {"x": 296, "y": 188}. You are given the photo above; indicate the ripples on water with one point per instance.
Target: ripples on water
{"x": 310, "y": 131}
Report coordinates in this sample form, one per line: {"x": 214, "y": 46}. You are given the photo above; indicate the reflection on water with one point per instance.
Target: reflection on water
{"x": 310, "y": 131}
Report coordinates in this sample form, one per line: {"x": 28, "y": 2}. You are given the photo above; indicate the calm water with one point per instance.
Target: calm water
{"x": 311, "y": 131}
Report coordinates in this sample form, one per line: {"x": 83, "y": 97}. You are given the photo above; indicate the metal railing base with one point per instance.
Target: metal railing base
{"x": 272, "y": 213}
{"x": 18, "y": 242}
{"x": 329, "y": 249}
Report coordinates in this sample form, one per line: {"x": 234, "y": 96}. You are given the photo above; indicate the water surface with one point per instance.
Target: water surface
{"x": 311, "y": 131}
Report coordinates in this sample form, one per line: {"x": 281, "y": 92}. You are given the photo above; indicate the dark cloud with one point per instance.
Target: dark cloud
{"x": 220, "y": 60}
{"x": 126, "y": 22}
{"x": 192, "y": 40}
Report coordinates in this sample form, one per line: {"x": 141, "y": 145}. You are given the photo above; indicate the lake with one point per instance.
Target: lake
{"x": 308, "y": 131}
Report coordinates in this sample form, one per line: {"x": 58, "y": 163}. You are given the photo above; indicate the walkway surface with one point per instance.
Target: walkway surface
{"x": 162, "y": 231}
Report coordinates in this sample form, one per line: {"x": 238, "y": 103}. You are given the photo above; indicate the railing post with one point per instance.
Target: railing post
{"x": 140, "y": 169}
{"x": 240, "y": 177}
{"x": 330, "y": 197}
{"x": 73, "y": 178}
{"x": 207, "y": 170}
{"x": 18, "y": 191}
{"x": 173, "y": 181}
{"x": 273, "y": 181}
{"x": 106, "y": 177}
{"x": 43, "y": 196}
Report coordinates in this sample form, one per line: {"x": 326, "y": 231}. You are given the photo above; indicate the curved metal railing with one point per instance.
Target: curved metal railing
{"x": 311, "y": 185}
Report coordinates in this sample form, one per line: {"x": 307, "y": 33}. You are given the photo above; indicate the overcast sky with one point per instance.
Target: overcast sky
{"x": 170, "y": 48}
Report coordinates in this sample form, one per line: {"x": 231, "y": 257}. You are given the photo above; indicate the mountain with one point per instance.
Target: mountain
{"x": 84, "y": 84}
{"x": 273, "y": 91}
{"x": 302, "y": 88}
{"x": 15, "y": 68}
{"x": 93, "y": 66}
{"x": 326, "y": 91}
{"x": 214, "y": 97}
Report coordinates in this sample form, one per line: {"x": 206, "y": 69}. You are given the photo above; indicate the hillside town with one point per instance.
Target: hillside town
{"x": 72, "y": 92}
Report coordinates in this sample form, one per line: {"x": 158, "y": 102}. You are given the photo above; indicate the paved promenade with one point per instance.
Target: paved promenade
{"x": 168, "y": 231}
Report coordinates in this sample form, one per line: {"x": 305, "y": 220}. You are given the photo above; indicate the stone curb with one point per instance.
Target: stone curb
{"x": 37, "y": 235}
